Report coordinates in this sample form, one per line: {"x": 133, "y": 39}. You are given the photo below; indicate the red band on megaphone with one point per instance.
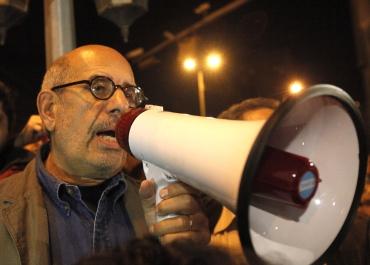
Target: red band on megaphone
{"x": 124, "y": 125}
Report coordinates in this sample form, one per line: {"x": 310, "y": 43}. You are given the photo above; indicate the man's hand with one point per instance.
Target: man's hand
{"x": 180, "y": 199}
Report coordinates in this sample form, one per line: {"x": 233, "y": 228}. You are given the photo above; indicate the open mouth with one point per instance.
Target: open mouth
{"x": 108, "y": 134}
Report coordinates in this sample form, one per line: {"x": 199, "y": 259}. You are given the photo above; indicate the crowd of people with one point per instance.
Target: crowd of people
{"x": 69, "y": 194}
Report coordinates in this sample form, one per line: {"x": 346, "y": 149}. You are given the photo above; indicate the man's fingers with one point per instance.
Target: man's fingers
{"x": 182, "y": 223}
{"x": 176, "y": 189}
{"x": 147, "y": 189}
{"x": 147, "y": 195}
{"x": 180, "y": 199}
{"x": 181, "y": 204}
{"x": 193, "y": 227}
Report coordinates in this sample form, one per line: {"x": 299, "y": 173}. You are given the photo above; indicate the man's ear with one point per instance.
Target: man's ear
{"x": 46, "y": 105}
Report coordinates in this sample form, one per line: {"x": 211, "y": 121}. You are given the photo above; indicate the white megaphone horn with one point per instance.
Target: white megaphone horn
{"x": 294, "y": 181}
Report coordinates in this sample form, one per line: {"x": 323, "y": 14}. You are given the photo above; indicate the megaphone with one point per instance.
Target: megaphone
{"x": 294, "y": 181}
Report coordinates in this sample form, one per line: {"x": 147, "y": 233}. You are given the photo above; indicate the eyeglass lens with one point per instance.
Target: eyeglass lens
{"x": 103, "y": 88}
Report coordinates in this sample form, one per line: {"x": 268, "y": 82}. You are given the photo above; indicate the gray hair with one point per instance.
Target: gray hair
{"x": 57, "y": 74}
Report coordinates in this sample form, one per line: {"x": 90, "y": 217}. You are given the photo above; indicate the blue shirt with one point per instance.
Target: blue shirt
{"x": 75, "y": 230}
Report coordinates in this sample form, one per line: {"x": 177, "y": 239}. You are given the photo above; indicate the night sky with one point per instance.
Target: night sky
{"x": 266, "y": 44}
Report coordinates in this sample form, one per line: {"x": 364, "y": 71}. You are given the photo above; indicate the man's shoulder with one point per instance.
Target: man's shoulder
{"x": 12, "y": 186}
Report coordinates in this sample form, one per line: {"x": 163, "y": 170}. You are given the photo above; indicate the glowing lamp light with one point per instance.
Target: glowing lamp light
{"x": 214, "y": 60}
{"x": 295, "y": 87}
{"x": 190, "y": 64}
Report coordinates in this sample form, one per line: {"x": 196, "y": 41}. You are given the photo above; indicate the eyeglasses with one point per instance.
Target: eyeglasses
{"x": 103, "y": 88}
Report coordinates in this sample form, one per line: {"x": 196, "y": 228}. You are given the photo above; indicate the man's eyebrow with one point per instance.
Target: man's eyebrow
{"x": 100, "y": 75}
{"x": 124, "y": 84}
{"x": 127, "y": 84}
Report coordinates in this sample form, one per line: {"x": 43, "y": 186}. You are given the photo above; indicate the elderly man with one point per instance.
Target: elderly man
{"x": 73, "y": 199}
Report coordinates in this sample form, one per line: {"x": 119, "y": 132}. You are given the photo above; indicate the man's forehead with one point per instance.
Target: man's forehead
{"x": 90, "y": 51}
{"x": 89, "y": 63}
{"x": 117, "y": 75}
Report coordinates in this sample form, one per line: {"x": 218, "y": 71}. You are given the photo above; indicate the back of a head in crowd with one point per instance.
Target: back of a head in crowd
{"x": 149, "y": 251}
{"x": 7, "y": 100}
{"x": 237, "y": 111}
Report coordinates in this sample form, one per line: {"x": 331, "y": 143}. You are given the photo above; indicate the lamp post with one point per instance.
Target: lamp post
{"x": 213, "y": 61}
{"x": 201, "y": 93}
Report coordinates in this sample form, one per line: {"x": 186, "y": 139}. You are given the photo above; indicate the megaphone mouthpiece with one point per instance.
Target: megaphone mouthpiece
{"x": 124, "y": 125}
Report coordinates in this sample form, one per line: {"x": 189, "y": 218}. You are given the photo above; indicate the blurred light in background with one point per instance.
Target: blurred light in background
{"x": 189, "y": 64}
{"x": 295, "y": 87}
{"x": 214, "y": 60}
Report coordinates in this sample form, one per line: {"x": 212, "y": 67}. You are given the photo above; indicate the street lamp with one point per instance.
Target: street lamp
{"x": 213, "y": 61}
{"x": 295, "y": 87}
{"x": 190, "y": 64}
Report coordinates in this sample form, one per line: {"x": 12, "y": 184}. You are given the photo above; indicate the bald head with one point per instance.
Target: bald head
{"x": 76, "y": 119}
{"x": 68, "y": 68}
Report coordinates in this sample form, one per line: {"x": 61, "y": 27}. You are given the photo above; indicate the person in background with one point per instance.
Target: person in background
{"x": 251, "y": 109}
{"x": 73, "y": 199}
{"x": 13, "y": 152}
{"x": 32, "y": 136}
{"x": 149, "y": 251}
{"x": 225, "y": 233}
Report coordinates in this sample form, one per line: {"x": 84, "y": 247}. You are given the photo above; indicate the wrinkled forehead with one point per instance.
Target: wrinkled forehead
{"x": 92, "y": 62}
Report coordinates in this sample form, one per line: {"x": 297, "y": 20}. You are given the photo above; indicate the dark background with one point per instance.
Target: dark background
{"x": 266, "y": 44}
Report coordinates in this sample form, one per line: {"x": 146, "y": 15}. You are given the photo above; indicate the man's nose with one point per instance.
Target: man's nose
{"x": 118, "y": 103}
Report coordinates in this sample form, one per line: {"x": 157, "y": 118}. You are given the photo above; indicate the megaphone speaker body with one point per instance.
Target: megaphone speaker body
{"x": 216, "y": 163}
{"x": 222, "y": 158}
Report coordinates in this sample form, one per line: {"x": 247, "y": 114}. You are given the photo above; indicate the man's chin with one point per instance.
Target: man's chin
{"x": 98, "y": 175}
{"x": 103, "y": 166}
{"x": 108, "y": 170}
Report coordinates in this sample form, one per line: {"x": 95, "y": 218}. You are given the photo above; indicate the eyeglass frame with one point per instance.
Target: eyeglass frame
{"x": 89, "y": 82}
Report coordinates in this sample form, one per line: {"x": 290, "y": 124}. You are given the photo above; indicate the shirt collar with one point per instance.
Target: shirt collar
{"x": 56, "y": 189}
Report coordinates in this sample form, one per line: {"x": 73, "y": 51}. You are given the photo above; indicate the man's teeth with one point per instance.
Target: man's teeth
{"x": 108, "y": 137}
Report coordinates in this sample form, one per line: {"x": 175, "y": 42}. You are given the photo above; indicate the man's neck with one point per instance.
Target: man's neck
{"x": 59, "y": 173}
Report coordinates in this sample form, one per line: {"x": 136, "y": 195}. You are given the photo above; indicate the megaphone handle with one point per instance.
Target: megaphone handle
{"x": 161, "y": 178}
